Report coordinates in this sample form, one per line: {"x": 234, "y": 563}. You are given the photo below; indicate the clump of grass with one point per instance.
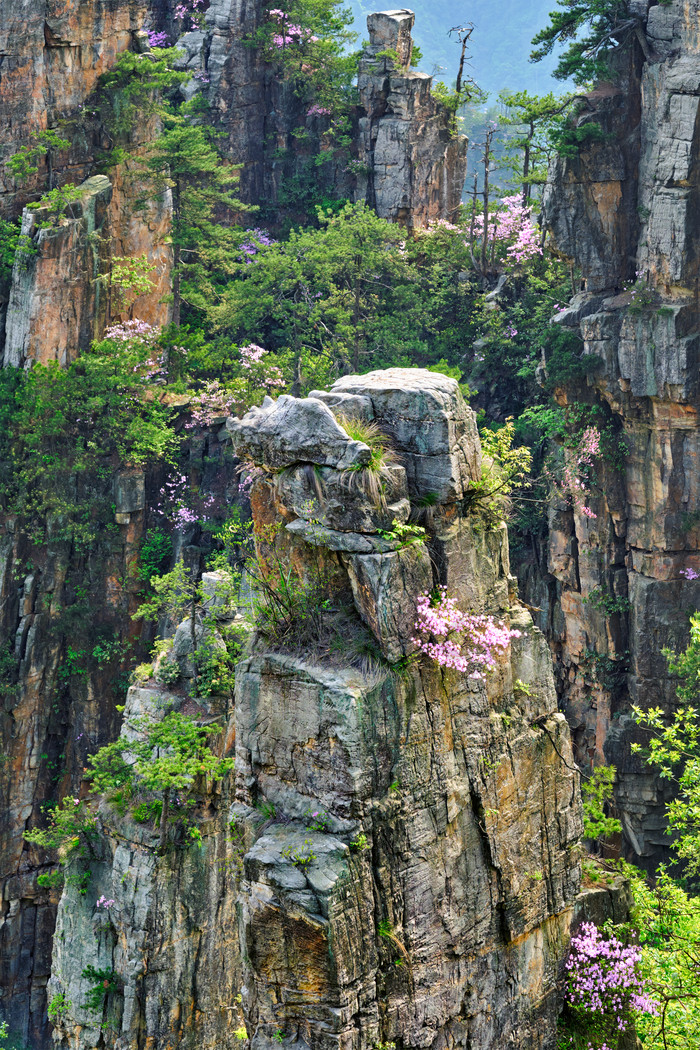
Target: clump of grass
{"x": 371, "y": 478}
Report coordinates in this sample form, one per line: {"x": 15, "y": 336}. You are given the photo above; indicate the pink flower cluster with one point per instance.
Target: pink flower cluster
{"x": 270, "y": 375}
{"x": 577, "y": 464}
{"x": 479, "y": 640}
{"x": 176, "y": 503}
{"x": 104, "y": 902}
{"x": 127, "y": 330}
{"x": 214, "y": 400}
{"x": 513, "y": 223}
{"x": 289, "y": 33}
{"x": 690, "y": 574}
{"x": 249, "y": 473}
{"x": 318, "y": 111}
{"x": 191, "y": 12}
{"x": 603, "y": 977}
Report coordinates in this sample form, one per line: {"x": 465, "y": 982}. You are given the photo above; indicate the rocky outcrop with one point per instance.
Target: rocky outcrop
{"x": 617, "y": 594}
{"x": 395, "y": 859}
{"x": 169, "y": 932}
{"x": 413, "y": 881}
{"x": 414, "y": 161}
{"x": 406, "y": 159}
{"x": 59, "y": 296}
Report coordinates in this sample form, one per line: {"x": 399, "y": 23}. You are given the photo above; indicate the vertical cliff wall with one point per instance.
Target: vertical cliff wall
{"x": 625, "y": 211}
{"x": 69, "y": 645}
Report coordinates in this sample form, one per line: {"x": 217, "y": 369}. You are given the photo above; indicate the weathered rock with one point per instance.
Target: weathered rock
{"x": 344, "y": 500}
{"x": 416, "y": 162}
{"x": 333, "y": 540}
{"x": 385, "y": 587}
{"x": 624, "y": 209}
{"x": 291, "y": 430}
{"x": 427, "y": 418}
{"x": 448, "y": 916}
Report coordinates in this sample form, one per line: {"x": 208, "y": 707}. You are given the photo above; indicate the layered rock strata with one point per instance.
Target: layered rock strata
{"x": 415, "y": 162}
{"x": 412, "y": 877}
{"x": 58, "y": 697}
{"x": 169, "y": 934}
{"x": 615, "y": 591}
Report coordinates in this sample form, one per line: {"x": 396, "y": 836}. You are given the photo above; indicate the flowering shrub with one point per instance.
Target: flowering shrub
{"x": 511, "y": 227}
{"x": 125, "y": 331}
{"x": 604, "y": 989}
{"x": 255, "y": 239}
{"x": 462, "y": 641}
{"x": 308, "y": 40}
{"x": 576, "y": 467}
{"x": 289, "y": 34}
{"x": 157, "y": 39}
{"x": 191, "y": 13}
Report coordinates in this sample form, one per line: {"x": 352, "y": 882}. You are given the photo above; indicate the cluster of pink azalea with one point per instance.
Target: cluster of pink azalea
{"x": 577, "y": 462}
{"x": 176, "y": 503}
{"x": 104, "y": 902}
{"x": 128, "y": 330}
{"x": 191, "y": 12}
{"x": 318, "y": 111}
{"x": 479, "y": 640}
{"x": 603, "y": 978}
{"x": 214, "y": 400}
{"x": 512, "y": 223}
{"x": 289, "y": 32}
{"x": 690, "y": 574}
{"x": 248, "y": 474}
{"x": 271, "y": 375}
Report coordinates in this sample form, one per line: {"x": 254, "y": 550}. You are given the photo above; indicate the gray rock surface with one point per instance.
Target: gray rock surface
{"x": 415, "y": 161}
{"x": 292, "y": 430}
{"x": 625, "y": 210}
{"x": 427, "y": 418}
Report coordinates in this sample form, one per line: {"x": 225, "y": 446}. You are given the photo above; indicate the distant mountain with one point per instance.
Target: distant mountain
{"x": 500, "y": 43}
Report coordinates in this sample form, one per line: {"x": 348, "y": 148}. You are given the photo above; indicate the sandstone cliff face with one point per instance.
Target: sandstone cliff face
{"x": 399, "y": 860}
{"x": 436, "y": 899}
{"x": 53, "y": 56}
{"x": 626, "y": 212}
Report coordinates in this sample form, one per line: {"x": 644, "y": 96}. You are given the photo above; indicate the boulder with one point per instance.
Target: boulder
{"x": 295, "y": 430}
{"x": 430, "y": 423}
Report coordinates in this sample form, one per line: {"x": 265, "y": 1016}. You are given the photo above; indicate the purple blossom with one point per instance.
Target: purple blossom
{"x": 157, "y": 39}
{"x": 603, "y": 979}
{"x": 690, "y": 574}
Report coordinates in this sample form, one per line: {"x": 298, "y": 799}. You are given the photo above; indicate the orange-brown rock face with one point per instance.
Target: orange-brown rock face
{"x": 53, "y": 53}
{"x": 616, "y": 592}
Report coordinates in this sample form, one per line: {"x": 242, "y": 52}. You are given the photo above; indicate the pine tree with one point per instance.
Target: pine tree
{"x": 184, "y": 158}
{"x": 605, "y": 25}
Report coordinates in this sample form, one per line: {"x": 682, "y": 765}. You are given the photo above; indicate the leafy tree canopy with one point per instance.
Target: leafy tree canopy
{"x": 590, "y": 29}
